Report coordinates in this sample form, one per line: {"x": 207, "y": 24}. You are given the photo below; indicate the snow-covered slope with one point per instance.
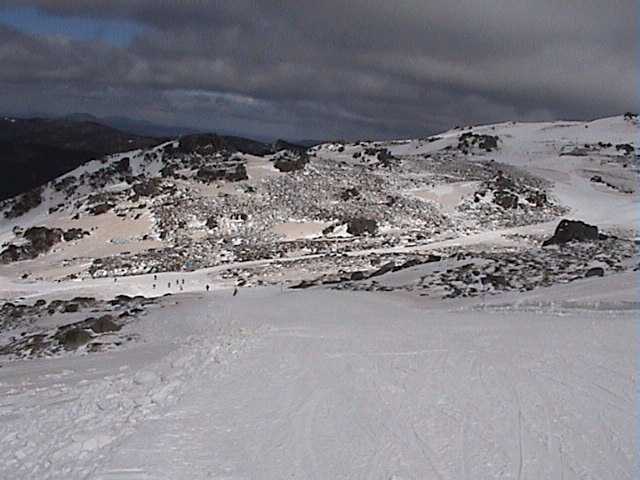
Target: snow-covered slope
{"x": 321, "y": 384}
{"x": 406, "y": 320}
{"x": 171, "y": 208}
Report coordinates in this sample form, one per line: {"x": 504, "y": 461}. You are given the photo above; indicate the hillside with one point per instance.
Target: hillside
{"x": 206, "y": 201}
{"x": 457, "y": 306}
{"x": 35, "y": 151}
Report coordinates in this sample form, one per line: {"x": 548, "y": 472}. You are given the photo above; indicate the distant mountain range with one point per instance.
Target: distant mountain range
{"x": 138, "y": 127}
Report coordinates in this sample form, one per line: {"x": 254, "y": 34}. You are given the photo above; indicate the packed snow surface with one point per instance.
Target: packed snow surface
{"x": 325, "y": 384}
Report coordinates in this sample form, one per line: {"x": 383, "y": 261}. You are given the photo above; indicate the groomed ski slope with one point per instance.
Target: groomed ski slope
{"x": 324, "y": 384}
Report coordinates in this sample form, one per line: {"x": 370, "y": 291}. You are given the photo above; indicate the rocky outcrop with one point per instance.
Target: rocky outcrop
{"x": 469, "y": 141}
{"x": 148, "y": 188}
{"x": 101, "y": 208}
{"x": 39, "y": 240}
{"x": 291, "y": 162}
{"x": 573, "y": 231}
{"x": 505, "y": 199}
{"x": 25, "y": 202}
{"x": 595, "y": 272}
{"x": 212, "y": 174}
{"x": 74, "y": 234}
{"x": 361, "y": 226}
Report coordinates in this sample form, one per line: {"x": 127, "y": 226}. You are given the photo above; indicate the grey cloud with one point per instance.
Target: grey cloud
{"x": 342, "y": 68}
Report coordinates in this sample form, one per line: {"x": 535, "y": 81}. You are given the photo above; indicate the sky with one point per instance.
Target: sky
{"x": 303, "y": 69}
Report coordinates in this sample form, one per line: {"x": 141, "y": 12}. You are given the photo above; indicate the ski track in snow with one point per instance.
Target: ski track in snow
{"x": 333, "y": 385}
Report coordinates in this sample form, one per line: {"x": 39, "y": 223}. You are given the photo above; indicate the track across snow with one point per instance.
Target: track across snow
{"x": 322, "y": 384}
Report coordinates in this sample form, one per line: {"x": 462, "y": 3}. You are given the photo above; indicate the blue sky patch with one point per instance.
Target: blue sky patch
{"x": 31, "y": 20}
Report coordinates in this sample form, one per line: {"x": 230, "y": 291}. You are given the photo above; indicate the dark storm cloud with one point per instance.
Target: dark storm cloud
{"x": 336, "y": 68}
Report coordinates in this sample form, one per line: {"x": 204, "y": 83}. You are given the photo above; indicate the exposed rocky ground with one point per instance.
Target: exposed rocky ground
{"x": 82, "y": 324}
{"x": 211, "y": 201}
{"x": 444, "y": 216}
{"x": 473, "y": 272}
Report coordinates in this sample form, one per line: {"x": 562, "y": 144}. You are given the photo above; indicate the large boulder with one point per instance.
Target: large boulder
{"x": 595, "y": 272}
{"x": 291, "y": 163}
{"x": 73, "y": 338}
{"x": 42, "y": 238}
{"x": 572, "y": 231}
{"x": 104, "y": 324}
{"x": 360, "y": 226}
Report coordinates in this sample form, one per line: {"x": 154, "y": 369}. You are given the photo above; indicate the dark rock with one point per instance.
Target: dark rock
{"x": 304, "y": 284}
{"x": 506, "y": 200}
{"x": 100, "y": 208}
{"x": 360, "y": 226}
{"x": 212, "y": 222}
{"x": 123, "y": 166}
{"x": 413, "y": 262}
{"x": 386, "y": 268}
{"x": 104, "y": 324}
{"x": 572, "y": 230}
{"x": 349, "y": 193}
{"x": 43, "y": 238}
{"x": 626, "y": 148}
{"x": 237, "y": 175}
{"x": 497, "y": 281}
{"x": 73, "y": 338}
{"x": 291, "y": 164}
{"x": 595, "y": 272}
{"x": 356, "y": 276}
{"x": 84, "y": 301}
{"x": 71, "y": 308}
{"x": 11, "y": 254}
{"x": 149, "y": 188}
{"x": 328, "y": 230}
{"x": 539, "y": 199}
{"x": 484, "y": 142}
{"x": 210, "y": 174}
{"x": 74, "y": 234}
